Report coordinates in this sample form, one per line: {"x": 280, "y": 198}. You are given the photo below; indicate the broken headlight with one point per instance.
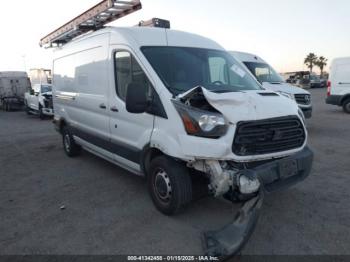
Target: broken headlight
{"x": 202, "y": 123}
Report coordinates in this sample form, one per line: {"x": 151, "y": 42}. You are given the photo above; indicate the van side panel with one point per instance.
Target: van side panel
{"x": 341, "y": 78}
{"x": 80, "y": 87}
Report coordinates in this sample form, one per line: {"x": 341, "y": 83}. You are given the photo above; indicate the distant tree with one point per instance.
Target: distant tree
{"x": 321, "y": 63}
{"x": 310, "y": 61}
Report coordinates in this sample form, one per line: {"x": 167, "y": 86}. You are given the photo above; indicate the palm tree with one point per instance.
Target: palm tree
{"x": 310, "y": 61}
{"x": 321, "y": 63}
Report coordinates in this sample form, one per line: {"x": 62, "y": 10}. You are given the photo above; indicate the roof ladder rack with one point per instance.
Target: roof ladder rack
{"x": 93, "y": 19}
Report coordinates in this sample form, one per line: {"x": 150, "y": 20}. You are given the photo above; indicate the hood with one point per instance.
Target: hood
{"x": 284, "y": 87}
{"x": 248, "y": 105}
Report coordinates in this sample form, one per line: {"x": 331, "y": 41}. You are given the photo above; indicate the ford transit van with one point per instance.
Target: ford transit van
{"x": 270, "y": 79}
{"x": 169, "y": 105}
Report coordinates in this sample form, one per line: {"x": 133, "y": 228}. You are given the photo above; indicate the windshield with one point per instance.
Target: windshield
{"x": 263, "y": 72}
{"x": 182, "y": 68}
{"x": 45, "y": 89}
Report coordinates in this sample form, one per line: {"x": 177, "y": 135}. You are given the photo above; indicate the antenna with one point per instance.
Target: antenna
{"x": 93, "y": 19}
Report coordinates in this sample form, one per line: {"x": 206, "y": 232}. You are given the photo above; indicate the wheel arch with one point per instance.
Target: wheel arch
{"x": 344, "y": 98}
{"x": 147, "y": 155}
{"x": 59, "y": 124}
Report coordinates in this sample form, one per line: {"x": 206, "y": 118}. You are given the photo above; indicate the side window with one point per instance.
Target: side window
{"x": 128, "y": 70}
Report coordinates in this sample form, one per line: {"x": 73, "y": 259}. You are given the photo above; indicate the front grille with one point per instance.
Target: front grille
{"x": 303, "y": 99}
{"x": 268, "y": 136}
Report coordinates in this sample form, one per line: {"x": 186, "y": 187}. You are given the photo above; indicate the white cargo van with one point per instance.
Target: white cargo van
{"x": 270, "y": 79}
{"x": 338, "y": 92}
{"x": 170, "y": 105}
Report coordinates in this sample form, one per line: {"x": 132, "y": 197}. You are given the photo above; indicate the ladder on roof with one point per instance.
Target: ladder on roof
{"x": 93, "y": 19}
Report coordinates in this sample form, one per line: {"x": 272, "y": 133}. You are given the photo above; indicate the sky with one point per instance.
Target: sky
{"x": 282, "y": 32}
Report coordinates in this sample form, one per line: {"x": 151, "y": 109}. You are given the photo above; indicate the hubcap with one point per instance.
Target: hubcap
{"x": 67, "y": 142}
{"x": 162, "y": 186}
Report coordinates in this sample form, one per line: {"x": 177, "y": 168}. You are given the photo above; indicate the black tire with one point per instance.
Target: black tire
{"x": 346, "y": 106}
{"x": 41, "y": 113}
{"x": 69, "y": 146}
{"x": 169, "y": 184}
{"x": 27, "y": 109}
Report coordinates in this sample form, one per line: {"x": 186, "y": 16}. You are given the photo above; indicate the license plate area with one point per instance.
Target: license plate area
{"x": 288, "y": 168}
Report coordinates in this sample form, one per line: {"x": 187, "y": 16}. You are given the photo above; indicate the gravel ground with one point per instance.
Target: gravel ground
{"x": 51, "y": 204}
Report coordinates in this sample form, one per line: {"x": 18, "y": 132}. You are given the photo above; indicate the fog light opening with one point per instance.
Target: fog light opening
{"x": 248, "y": 185}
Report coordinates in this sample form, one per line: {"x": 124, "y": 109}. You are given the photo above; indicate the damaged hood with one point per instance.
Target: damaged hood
{"x": 247, "y": 105}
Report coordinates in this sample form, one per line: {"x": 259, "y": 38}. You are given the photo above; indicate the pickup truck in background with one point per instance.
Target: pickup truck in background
{"x": 39, "y": 100}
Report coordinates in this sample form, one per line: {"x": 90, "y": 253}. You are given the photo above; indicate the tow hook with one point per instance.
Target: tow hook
{"x": 229, "y": 240}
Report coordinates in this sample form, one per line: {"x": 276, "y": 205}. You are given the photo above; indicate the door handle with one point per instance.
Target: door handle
{"x": 103, "y": 106}
{"x": 114, "y": 109}
{"x": 344, "y": 83}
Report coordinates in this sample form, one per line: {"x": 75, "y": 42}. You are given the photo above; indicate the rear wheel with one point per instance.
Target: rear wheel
{"x": 70, "y": 147}
{"x": 169, "y": 185}
{"x": 346, "y": 106}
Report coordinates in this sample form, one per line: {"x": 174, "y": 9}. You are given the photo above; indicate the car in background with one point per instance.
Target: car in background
{"x": 315, "y": 81}
{"x": 39, "y": 100}
{"x": 338, "y": 91}
{"x": 270, "y": 79}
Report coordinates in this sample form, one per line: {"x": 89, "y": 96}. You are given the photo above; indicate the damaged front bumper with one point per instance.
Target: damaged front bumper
{"x": 283, "y": 173}
{"x": 277, "y": 175}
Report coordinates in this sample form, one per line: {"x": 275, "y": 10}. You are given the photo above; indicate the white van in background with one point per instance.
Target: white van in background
{"x": 270, "y": 79}
{"x": 338, "y": 92}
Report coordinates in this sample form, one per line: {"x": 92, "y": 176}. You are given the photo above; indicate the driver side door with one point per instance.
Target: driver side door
{"x": 129, "y": 132}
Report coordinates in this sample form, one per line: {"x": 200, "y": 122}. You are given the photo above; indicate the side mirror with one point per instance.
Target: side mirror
{"x": 136, "y": 98}
{"x": 31, "y": 92}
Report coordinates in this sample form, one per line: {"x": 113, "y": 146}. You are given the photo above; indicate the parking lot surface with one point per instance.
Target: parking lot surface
{"x": 52, "y": 204}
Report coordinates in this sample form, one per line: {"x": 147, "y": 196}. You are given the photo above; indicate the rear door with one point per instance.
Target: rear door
{"x": 129, "y": 132}
{"x": 342, "y": 78}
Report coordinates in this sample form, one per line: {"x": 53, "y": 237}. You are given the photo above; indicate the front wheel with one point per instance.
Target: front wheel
{"x": 70, "y": 147}
{"x": 169, "y": 185}
{"x": 41, "y": 113}
{"x": 346, "y": 106}
{"x": 27, "y": 108}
